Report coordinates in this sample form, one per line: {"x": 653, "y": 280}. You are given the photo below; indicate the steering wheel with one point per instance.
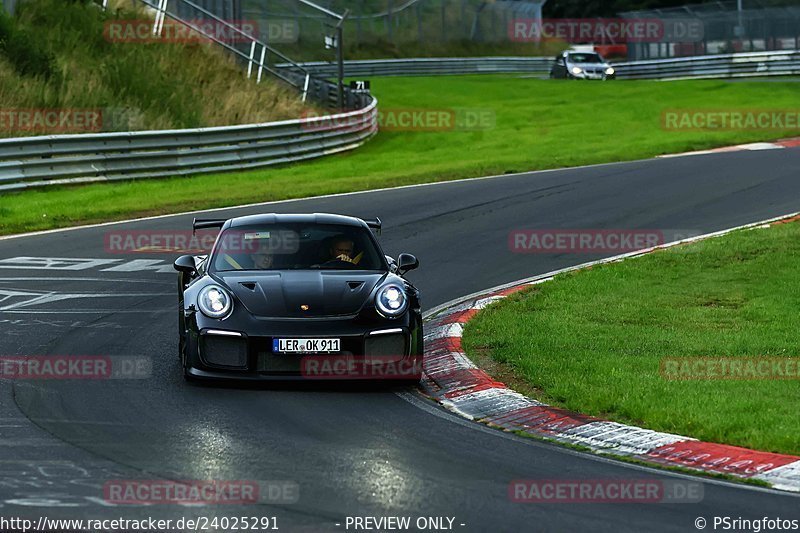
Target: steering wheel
{"x": 339, "y": 263}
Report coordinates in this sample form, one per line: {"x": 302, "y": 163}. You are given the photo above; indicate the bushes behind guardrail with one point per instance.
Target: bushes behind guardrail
{"x": 23, "y": 50}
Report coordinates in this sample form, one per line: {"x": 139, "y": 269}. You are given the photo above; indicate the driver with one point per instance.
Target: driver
{"x": 342, "y": 249}
{"x": 262, "y": 258}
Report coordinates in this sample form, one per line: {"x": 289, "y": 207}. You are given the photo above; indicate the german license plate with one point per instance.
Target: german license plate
{"x": 306, "y": 345}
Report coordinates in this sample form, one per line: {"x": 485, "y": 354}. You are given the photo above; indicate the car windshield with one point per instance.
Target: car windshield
{"x": 297, "y": 247}
{"x": 585, "y": 58}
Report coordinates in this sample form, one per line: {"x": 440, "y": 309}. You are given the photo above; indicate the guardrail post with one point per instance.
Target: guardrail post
{"x": 161, "y": 13}
{"x": 250, "y": 60}
{"x": 261, "y": 63}
{"x": 358, "y": 21}
{"x": 420, "y": 39}
{"x": 340, "y": 66}
{"x": 388, "y": 19}
{"x": 444, "y": 21}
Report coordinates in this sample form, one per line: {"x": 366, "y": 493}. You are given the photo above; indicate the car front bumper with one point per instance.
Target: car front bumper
{"x": 387, "y": 350}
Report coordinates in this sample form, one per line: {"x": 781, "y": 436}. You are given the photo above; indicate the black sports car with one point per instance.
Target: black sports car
{"x": 298, "y": 297}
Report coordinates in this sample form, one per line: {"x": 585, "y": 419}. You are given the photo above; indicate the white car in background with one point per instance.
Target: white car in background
{"x": 581, "y": 65}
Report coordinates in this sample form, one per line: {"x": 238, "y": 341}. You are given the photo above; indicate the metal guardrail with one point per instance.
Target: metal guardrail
{"x": 431, "y": 66}
{"x": 716, "y": 66}
{"x": 84, "y": 158}
{"x": 742, "y": 65}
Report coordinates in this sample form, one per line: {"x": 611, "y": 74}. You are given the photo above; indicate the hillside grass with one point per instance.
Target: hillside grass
{"x": 54, "y": 55}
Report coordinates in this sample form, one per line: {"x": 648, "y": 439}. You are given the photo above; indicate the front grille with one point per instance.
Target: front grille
{"x": 224, "y": 351}
{"x": 389, "y": 347}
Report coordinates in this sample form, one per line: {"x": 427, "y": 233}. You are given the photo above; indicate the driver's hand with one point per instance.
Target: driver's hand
{"x": 344, "y": 257}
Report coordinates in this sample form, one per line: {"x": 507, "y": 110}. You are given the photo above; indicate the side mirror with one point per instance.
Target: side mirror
{"x": 406, "y": 262}
{"x": 185, "y": 264}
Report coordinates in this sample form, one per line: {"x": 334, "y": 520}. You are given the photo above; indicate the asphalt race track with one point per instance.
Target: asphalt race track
{"x": 354, "y": 452}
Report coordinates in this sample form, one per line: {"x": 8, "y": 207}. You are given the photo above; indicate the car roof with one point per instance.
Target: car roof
{"x": 294, "y": 218}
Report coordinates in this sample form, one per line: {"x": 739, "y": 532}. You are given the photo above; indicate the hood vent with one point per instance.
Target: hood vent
{"x": 281, "y": 294}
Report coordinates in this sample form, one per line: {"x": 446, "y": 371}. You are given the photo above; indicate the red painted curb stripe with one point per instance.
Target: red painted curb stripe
{"x": 789, "y": 143}
{"x": 461, "y": 317}
{"x": 541, "y": 419}
{"x": 787, "y": 220}
{"x": 482, "y": 382}
{"x": 443, "y": 345}
{"x": 511, "y": 290}
{"x": 721, "y": 458}
{"x": 464, "y": 381}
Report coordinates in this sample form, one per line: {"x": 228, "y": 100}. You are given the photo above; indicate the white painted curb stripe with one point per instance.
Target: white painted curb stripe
{"x": 727, "y": 149}
{"x": 786, "y": 477}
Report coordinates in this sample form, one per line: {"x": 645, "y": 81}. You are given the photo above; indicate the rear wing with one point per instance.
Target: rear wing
{"x": 203, "y": 223}
{"x": 374, "y": 223}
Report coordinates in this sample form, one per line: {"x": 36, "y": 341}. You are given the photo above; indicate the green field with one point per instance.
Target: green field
{"x": 538, "y": 124}
{"x": 595, "y": 341}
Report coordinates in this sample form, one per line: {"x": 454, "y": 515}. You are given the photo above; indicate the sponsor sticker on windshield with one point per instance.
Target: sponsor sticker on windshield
{"x": 256, "y": 236}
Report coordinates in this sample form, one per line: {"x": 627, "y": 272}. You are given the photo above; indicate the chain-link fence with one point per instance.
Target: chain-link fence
{"x": 426, "y": 28}
{"x": 725, "y": 29}
{"x": 251, "y": 43}
{"x": 396, "y": 28}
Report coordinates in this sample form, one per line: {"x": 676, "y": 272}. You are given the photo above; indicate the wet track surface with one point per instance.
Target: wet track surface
{"x": 351, "y": 451}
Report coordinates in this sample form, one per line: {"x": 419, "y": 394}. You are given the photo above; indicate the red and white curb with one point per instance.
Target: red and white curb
{"x": 785, "y": 143}
{"x": 454, "y": 381}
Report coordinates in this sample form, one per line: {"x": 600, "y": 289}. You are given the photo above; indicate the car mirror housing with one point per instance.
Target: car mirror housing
{"x": 185, "y": 263}
{"x": 406, "y": 262}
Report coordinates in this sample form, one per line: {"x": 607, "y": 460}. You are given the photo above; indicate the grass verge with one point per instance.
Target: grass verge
{"x": 594, "y": 341}
{"x": 537, "y": 124}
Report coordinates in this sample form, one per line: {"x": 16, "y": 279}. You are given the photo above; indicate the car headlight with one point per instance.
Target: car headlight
{"x": 391, "y": 300}
{"x": 609, "y": 71}
{"x": 576, "y": 70}
{"x": 214, "y": 302}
